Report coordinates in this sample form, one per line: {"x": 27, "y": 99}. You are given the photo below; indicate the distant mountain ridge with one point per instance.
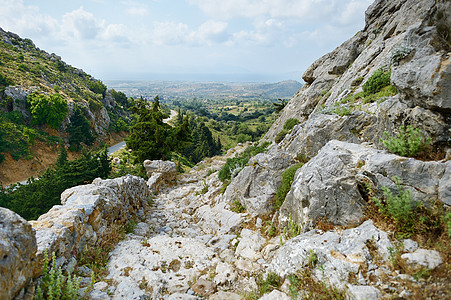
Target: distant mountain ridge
{"x": 165, "y": 89}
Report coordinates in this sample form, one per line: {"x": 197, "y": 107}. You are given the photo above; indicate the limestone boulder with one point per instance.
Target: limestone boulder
{"x": 256, "y": 185}
{"x": 363, "y": 292}
{"x": 17, "y": 253}
{"x": 424, "y": 78}
{"x": 250, "y": 245}
{"x": 160, "y": 173}
{"x": 338, "y": 252}
{"x": 423, "y": 258}
{"x": 332, "y": 184}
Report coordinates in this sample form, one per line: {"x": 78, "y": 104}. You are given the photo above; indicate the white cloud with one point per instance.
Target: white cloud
{"x": 82, "y": 24}
{"x": 264, "y": 33}
{"x": 173, "y": 33}
{"x": 25, "y": 19}
{"x": 211, "y": 31}
{"x": 136, "y": 8}
{"x": 300, "y": 10}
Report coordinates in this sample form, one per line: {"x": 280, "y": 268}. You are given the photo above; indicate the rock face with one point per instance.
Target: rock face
{"x": 332, "y": 184}
{"x": 17, "y": 253}
{"x": 421, "y": 75}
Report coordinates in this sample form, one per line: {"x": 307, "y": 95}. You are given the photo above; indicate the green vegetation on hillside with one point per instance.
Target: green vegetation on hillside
{"x": 376, "y": 82}
{"x": 235, "y": 164}
{"x": 408, "y": 142}
{"x": 232, "y": 121}
{"x": 50, "y": 85}
{"x": 39, "y": 195}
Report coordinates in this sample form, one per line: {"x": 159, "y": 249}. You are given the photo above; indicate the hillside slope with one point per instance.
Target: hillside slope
{"x": 25, "y": 70}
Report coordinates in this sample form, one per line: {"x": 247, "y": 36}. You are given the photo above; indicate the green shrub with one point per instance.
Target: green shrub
{"x": 399, "y": 53}
{"x": 94, "y": 105}
{"x": 97, "y": 87}
{"x": 304, "y": 283}
{"x": 387, "y": 91}
{"x": 284, "y": 188}
{"x": 376, "y": 82}
{"x": 131, "y": 226}
{"x": 233, "y": 165}
{"x": 280, "y": 136}
{"x": 290, "y": 123}
{"x": 265, "y": 285}
{"x": 447, "y": 221}
{"x": 49, "y": 110}
{"x": 342, "y": 110}
{"x": 399, "y": 207}
{"x": 408, "y": 142}
{"x": 23, "y": 68}
{"x": 241, "y": 138}
{"x": 4, "y": 82}
{"x": 15, "y": 138}
{"x": 79, "y": 130}
{"x": 54, "y": 285}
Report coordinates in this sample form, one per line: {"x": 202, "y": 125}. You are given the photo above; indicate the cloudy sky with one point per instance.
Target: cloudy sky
{"x": 228, "y": 40}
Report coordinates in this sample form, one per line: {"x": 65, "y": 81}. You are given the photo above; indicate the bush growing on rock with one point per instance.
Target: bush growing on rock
{"x": 398, "y": 206}
{"x": 408, "y": 142}
{"x": 289, "y": 124}
{"x": 235, "y": 164}
{"x": 54, "y": 285}
{"x": 376, "y": 82}
{"x": 287, "y": 180}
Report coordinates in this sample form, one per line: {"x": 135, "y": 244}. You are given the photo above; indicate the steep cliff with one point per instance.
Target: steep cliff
{"x": 410, "y": 38}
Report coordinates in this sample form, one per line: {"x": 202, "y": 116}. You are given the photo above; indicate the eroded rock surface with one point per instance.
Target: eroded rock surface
{"x": 17, "y": 253}
{"x": 332, "y": 184}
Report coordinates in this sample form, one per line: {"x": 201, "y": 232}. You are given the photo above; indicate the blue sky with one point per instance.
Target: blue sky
{"x": 209, "y": 40}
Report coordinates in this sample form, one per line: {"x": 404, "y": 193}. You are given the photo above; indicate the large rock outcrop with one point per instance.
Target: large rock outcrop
{"x": 333, "y": 184}
{"x": 421, "y": 76}
{"x": 17, "y": 253}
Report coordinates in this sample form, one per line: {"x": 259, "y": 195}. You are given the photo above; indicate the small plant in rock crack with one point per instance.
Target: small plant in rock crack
{"x": 312, "y": 259}
{"x": 399, "y": 53}
{"x": 305, "y": 283}
{"x": 131, "y": 226}
{"x": 237, "y": 207}
{"x": 54, "y": 285}
{"x": 284, "y": 188}
{"x": 400, "y": 207}
{"x": 145, "y": 242}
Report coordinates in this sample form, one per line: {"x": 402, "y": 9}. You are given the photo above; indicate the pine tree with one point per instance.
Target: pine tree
{"x": 150, "y": 137}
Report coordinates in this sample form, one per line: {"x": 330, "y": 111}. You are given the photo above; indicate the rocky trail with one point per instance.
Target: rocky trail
{"x": 190, "y": 245}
